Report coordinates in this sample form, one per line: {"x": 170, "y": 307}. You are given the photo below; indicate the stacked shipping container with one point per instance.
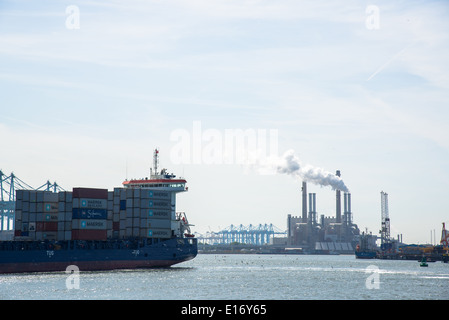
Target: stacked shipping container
{"x": 65, "y": 205}
{"x": 95, "y": 214}
{"x": 36, "y": 214}
{"x": 89, "y": 214}
{"x": 143, "y": 213}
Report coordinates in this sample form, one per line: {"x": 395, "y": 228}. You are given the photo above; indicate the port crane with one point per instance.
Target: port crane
{"x": 252, "y": 234}
{"x": 385, "y": 238}
{"x": 8, "y": 186}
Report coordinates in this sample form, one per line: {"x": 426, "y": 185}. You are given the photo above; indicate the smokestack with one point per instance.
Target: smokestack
{"x": 312, "y": 208}
{"x": 347, "y": 207}
{"x": 304, "y": 202}
{"x": 338, "y": 210}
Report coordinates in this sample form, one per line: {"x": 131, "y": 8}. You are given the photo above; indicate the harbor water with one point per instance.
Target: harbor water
{"x": 243, "y": 277}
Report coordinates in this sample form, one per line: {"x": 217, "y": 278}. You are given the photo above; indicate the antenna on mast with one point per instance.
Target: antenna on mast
{"x": 155, "y": 160}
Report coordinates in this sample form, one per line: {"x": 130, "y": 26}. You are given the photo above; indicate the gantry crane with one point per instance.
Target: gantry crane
{"x": 385, "y": 238}
{"x": 8, "y": 186}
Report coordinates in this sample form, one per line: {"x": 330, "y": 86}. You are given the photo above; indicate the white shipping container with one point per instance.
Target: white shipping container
{"x": 155, "y": 194}
{"x": 159, "y": 233}
{"x": 158, "y": 224}
{"x": 61, "y": 196}
{"x": 26, "y": 195}
{"x": 18, "y": 215}
{"x": 89, "y": 224}
{"x": 61, "y": 216}
{"x": 159, "y": 213}
{"x": 19, "y": 204}
{"x": 32, "y": 226}
{"x": 40, "y": 196}
{"x": 61, "y": 227}
{"x": 68, "y": 216}
{"x": 32, "y": 194}
{"x": 50, "y": 196}
{"x": 19, "y": 195}
{"x": 61, "y": 235}
{"x": 93, "y": 203}
{"x": 50, "y": 217}
{"x": 32, "y": 216}
{"x": 49, "y": 235}
{"x": 50, "y": 207}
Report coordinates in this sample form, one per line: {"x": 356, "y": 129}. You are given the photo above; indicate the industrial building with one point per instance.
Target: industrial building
{"x": 323, "y": 234}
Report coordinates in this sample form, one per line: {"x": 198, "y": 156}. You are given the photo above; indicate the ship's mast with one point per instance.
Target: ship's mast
{"x": 155, "y": 161}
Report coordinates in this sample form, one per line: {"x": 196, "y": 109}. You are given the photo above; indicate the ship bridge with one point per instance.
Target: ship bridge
{"x": 160, "y": 180}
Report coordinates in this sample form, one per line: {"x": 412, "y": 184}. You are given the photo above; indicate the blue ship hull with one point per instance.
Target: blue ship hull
{"x": 20, "y": 257}
{"x": 365, "y": 254}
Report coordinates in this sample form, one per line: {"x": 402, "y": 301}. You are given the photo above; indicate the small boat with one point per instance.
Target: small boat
{"x": 423, "y": 262}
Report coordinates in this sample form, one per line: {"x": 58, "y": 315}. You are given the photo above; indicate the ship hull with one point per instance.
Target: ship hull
{"x": 365, "y": 254}
{"x": 52, "y": 258}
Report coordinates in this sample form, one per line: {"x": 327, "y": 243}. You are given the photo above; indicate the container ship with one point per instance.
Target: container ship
{"x": 134, "y": 226}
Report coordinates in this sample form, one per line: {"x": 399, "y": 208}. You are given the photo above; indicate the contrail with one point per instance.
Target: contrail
{"x": 388, "y": 62}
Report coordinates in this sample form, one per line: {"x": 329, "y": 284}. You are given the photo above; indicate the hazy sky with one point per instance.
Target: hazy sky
{"x": 89, "y": 88}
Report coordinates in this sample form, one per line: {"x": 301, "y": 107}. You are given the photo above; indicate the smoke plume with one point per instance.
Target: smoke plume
{"x": 290, "y": 164}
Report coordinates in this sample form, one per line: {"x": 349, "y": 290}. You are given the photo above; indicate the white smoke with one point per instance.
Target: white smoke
{"x": 290, "y": 164}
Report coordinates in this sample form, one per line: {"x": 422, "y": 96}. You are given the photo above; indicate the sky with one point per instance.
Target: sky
{"x": 88, "y": 89}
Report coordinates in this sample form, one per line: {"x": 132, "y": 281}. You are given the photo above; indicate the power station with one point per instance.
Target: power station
{"x": 324, "y": 235}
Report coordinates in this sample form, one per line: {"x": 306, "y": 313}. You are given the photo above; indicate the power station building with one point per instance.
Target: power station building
{"x": 323, "y": 234}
